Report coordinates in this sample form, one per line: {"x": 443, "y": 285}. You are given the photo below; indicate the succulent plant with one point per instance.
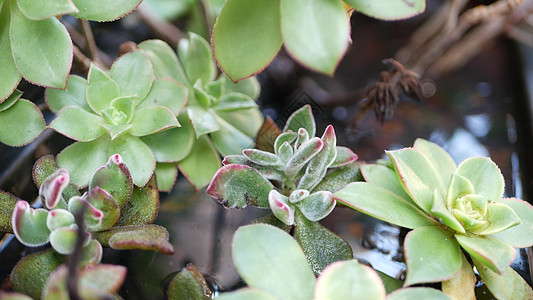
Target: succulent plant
{"x": 451, "y": 208}
{"x": 26, "y": 26}
{"x": 220, "y": 117}
{"x": 111, "y": 112}
{"x": 15, "y": 111}
{"x": 288, "y": 181}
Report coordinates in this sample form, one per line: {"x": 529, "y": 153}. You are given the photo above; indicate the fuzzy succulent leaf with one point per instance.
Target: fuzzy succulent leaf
{"x": 285, "y": 137}
{"x": 432, "y": 255}
{"x": 73, "y": 95}
{"x": 25, "y": 112}
{"x": 102, "y": 10}
{"x": 302, "y": 156}
{"x": 115, "y": 178}
{"x": 279, "y": 205}
{"x": 144, "y": 237}
{"x": 339, "y": 178}
{"x": 63, "y": 239}
{"x": 143, "y": 206}
{"x": 493, "y": 253}
{"x": 359, "y": 282}
{"x": 261, "y": 158}
{"x": 499, "y": 218}
{"x": 164, "y": 61}
{"x": 289, "y": 275}
{"x": 58, "y": 218}
{"x": 201, "y": 164}
{"x": 29, "y": 224}
{"x": 246, "y": 294}
{"x": 321, "y": 246}
{"x": 444, "y": 215}
{"x": 188, "y": 284}
{"x": 52, "y": 188}
{"x": 383, "y": 204}
{"x": 508, "y": 285}
{"x": 317, "y": 206}
{"x": 417, "y": 293}
{"x": 168, "y": 93}
{"x": 484, "y": 175}
{"x": 239, "y": 186}
{"x": 301, "y": 118}
{"x": 195, "y": 53}
{"x": 30, "y": 274}
{"x": 344, "y": 157}
{"x": 7, "y": 206}
{"x": 518, "y": 236}
{"x": 316, "y": 170}
{"x": 298, "y": 195}
{"x": 458, "y": 187}
{"x": 101, "y": 89}
{"x": 45, "y": 167}
{"x": 246, "y": 37}
{"x": 104, "y": 202}
{"x": 78, "y": 124}
{"x": 93, "y": 216}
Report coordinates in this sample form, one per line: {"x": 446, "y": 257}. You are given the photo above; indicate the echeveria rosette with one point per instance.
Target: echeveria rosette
{"x": 113, "y": 207}
{"x": 449, "y": 207}
{"x": 117, "y": 111}
{"x": 27, "y": 25}
{"x": 21, "y": 120}
{"x": 221, "y": 117}
{"x": 285, "y": 181}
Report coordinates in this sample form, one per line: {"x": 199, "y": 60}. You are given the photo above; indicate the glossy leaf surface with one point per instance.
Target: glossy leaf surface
{"x": 389, "y": 9}
{"x": 102, "y": 10}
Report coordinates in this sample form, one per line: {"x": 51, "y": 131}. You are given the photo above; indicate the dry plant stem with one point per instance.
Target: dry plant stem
{"x": 79, "y": 40}
{"x": 83, "y": 60}
{"x": 74, "y": 258}
{"x": 164, "y": 30}
{"x": 90, "y": 44}
{"x": 207, "y": 15}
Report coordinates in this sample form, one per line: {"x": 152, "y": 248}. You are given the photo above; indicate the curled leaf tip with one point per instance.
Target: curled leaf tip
{"x": 116, "y": 159}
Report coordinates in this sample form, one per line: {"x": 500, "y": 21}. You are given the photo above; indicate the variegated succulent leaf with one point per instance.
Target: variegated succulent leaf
{"x": 298, "y": 195}
{"x": 288, "y": 137}
{"x": 262, "y": 158}
{"x": 302, "y": 156}
{"x": 29, "y": 224}
{"x": 281, "y": 208}
{"x": 302, "y": 137}
{"x": 101, "y": 200}
{"x": 58, "y": 218}
{"x": 317, "y": 205}
{"x": 115, "y": 178}
{"x": 52, "y": 188}
{"x": 93, "y": 216}
{"x": 63, "y": 239}
{"x": 318, "y": 166}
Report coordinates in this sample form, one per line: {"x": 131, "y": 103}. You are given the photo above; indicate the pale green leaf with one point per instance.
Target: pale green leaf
{"x": 431, "y": 255}
{"x": 11, "y": 100}
{"x": 142, "y": 207}
{"x": 103, "y": 10}
{"x": 246, "y": 294}
{"x": 316, "y": 32}
{"x": 229, "y": 140}
{"x": 386, "y": 178}
{"x": 74, "y": 95}
{"x": 485, "y": 176}
{"x": 166, "y": 174}
{"x": 150, "y": 120}
{"x": 29, "y": 224}
{"x": 9, "y": 77}
{"x": 458, "y": 187}
{"x": 203, "y": 121}
{"x": 195, "y": 54}
{"x": 78, "y": 124}
{"x": 249, "y": 86}
{"x": 349, "y": 280}
{"x": 301, "y": 118}
{"x": 509, "y": 285}
{"x": 234, "y": 101}
{"x": 269, "y": 259}
{"x": 41, "y": 10}
{"x": 50, "y": 65}
{"x": 439, "y": 158}
{"x": 462, "y": 285}
{"x": 133, "y": 74}
{"x": 493, "y": 253}
{"x": 164, "y": 61}
{"x": 247, "y": 36}
{"x": 500, "y": 217}
{"x": 21, "y": 123}
{"x": 518, "y": 236}
{"x": 201, "y": 163}
{"x": 101, "y": 89}
{"x": 188, "y": 284}
{"x": 144, "y": 237}
{"x": 168, "y": 93}
{"x": 136, "y": 155}
{"x": 417, "y": 293}
{"x": 389, "y": 9}
{"x": 382, "y": 204}
{"x": 248, "y": 120}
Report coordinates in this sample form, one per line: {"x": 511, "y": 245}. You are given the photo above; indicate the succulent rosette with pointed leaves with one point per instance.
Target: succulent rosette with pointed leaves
{"x": 27, "y": 25}
{"x": 450, "y": 208}
{"x": 288, "y": 182}
{"x": 117, "y": 111}
{"x": 221, "y": 118}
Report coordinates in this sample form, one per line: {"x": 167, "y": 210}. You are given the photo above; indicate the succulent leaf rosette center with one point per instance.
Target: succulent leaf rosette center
{"x": 471, "y": 211}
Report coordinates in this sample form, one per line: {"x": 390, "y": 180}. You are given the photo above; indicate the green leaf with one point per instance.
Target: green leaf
{"x": 344, "y": 157}
{"x": 115, "y": 178}
{"x": 164, "y": 61}
{"x": 74, "y": 95}
{"x": 58, "y": 218}
{"x": 518, "y": 236}
{"x": 302, "y": 156}
{"x": 247, "y": 37}
{"x": 417, "y": 293}
{"x": 101, "y": 89}
{"x": 134, "y": 74}
{"x": 432, "y": 255}
{"x": 389, "y": 10}
{"x": 229, "y": 140}
{"x": 316, "y": 32}
{"x": 318, "y": 166}
{"x": 45, "y": 9}
{"x": 173, "y": 144}
{"x": 500, "y": 217}
{"x": 51, "y": 64}
{"x": 442, "y": 162}
{"x": 485, "y": 176}
{"x": 136, "y": 155}
{"x": 386, "y": 178}
{"x": 349, "y": 280}
{"x": 509, "y": 285}
{"x": 201, "y": 163}
{"x": 78, "y": 124}
{"x": 82, "y": 167}
{"x": 203, "y": 121}
{"x": 458, "y": 187}
{"x": 144, "y": 237}
{"x": 301, "y": 118}
{"x": 248, "y": 120}
{"x": 246, "y": 294}
{"x": 444, "y": 215}
{"x": 30, "y": 274}
{"x": 317, "y": 206}
{"x": 249, "y": 86}
{"x": 269, "y": 259}
{"x": 9, "y": 77}
{"x": 234, "y": 101}
{"x": 166, "y": 174}
{"x": 261, "y": 157}
{"x": 462, "y": 285}
{"x": 22, "y": 112}
{"x": 493, "y": 253}
{"x": 7, "y": 205}
{"x": 46, "y": 166}
{"x": 382, "y": 204}
{"x": 339, "y": 178}
{"x": 239, "y": 186}
{"x": 279, "y": 205}
{"x": 168, "y": 93}
{"x": 63, "y": 240}
{"x": 143, "y": 206}
{"x": 10, "y": 101}
{"x": 195, "y": 53}
{"x": 391, "y": 284}
{"x": 150, "y": 120}
{"x": 13, "y": 296}
{"x": 29, "y": 224}
{"x": 188, "y": 284}
{"x": 321, "y": 246}
{"x": 103, "y": 10}
{"x": 418, "y": 176}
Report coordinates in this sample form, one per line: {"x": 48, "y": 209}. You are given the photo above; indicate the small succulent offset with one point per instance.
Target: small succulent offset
{"x": 15, "y": 111}
{"x": 450, "y": 208}
{"x": 285, "y": 181}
